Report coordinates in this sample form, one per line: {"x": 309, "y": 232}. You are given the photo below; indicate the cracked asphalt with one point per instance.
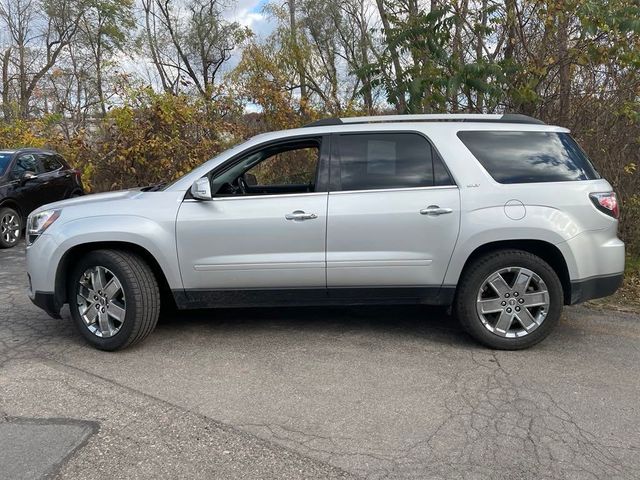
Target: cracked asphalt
{"x": 393, "y": 392}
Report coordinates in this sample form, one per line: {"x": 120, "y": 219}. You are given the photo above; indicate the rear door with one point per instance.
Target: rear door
{"x": 393, "y": 213}
{"x": 55, "y": 176}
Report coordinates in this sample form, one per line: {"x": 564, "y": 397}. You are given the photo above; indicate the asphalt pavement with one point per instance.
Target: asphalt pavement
{"x": 392, "y": 392}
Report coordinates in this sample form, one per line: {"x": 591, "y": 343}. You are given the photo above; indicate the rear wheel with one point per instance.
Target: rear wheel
{"x": 114, "y": 299}
{"x": 10, "y": 227}
{"x": 509, "y": 299}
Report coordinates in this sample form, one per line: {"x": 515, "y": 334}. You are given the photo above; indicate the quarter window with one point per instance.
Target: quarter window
{"x": 528, "y": 157}
{"x": 389, "y": 160}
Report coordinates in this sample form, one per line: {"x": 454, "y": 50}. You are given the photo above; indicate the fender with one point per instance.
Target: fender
{"x": 540, "y": 223}
{"x": 158, "y": 238}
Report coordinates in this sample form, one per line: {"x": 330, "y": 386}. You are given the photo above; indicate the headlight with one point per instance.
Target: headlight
{"x": 37, "y": 223}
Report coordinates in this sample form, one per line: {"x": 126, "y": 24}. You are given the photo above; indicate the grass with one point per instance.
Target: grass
{"x": 627, "y": 298}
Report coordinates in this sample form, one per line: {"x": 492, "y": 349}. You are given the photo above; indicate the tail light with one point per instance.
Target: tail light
{"x": 606, "y": 202}
{"x": 76, "y": 173}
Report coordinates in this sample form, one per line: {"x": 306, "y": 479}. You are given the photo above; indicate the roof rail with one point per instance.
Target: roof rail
{"x": 323, "y": 122}
{"x": 520, "y": 118}
{"x": 453, "y": 117}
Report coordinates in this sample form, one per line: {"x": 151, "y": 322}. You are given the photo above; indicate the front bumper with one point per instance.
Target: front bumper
{"x": 47, "y": 302}
{"x": 41, "y": 268}
{"x": 595, "y": 287}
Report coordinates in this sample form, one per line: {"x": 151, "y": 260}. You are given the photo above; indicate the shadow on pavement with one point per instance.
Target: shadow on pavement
{"x": 428, "y": 323}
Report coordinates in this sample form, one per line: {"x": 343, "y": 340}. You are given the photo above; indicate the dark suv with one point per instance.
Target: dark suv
{"x": 30, "y": 178}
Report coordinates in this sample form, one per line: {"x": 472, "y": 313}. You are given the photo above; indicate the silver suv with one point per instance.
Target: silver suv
{"x": 500, "y": 216}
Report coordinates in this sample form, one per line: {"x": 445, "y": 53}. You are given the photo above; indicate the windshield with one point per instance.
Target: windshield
{"x": 5, "y": 160}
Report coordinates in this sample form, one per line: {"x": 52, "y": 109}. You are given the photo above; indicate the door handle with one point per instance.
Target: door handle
{"x": 435, "y": 210}
{"x": 300, "y": 215}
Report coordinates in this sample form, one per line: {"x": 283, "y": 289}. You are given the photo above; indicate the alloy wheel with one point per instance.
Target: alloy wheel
{"x": 10, "y": 228}
{"x": 512, "y": 302}
{"x": 101, "y": 301}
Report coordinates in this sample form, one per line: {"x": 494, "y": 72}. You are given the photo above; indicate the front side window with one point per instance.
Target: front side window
{"x": 26, "y": 163}
{"x": 278, "y": 169}
{"x": 528, "y": 157}
{"x": 376, "y": 161}
{"x": 291, "y": 167}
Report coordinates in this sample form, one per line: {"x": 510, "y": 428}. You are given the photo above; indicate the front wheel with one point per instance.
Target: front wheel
{"x": 113, "y": 298}
{"x": 509, "y": 299}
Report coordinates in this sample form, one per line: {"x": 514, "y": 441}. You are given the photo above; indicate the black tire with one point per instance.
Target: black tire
{"x": 472, "y": 281}
{"x": 141, "y": 291}
{"x": 8, "y": 231}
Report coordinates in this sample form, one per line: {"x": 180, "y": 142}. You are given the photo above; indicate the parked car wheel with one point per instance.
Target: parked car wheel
{"x": 509, "y": 299}
{"x": 10, "y": 227}
{"x": 114, "y": 298}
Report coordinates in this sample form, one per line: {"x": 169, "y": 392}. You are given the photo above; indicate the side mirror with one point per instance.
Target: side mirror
{"x": 26, "y": 176}
{"x": 201, "y": 189}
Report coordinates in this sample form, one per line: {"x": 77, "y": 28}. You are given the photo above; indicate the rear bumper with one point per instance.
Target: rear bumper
{"x": 47, "y": 302}
{"x": 595, "y": 287}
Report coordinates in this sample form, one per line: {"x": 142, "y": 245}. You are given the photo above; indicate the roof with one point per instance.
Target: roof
{"x": 11, "y": 151}
{"x": 451, "y": 117}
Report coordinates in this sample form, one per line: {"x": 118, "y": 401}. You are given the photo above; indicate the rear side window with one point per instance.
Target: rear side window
{"x": 49, "y": 163}
{"x": 389, "y": 160}
{"x": 529, "y": 157}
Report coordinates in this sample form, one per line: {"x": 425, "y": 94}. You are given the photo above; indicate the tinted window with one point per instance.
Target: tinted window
{"x": 387, "y": 160}
{"x": 5, "y": 160}
{"x": 49, "y": 163}
{"x": 523, "y": 157}
{"x": 440, "y": 173}
{"x": 26, "y": 163}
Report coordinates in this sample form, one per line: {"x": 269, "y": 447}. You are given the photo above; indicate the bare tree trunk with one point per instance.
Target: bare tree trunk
{"x": 479, "y": 50}
{"x": 564, "y": 68}
{"x": 400, "y": 101}
{"x": 367, "y": 91}
{"x": 510, "y": 6}
{"x": 6, "y": 85}
{"x": 155, "y": 58}
{"x": 457, "y": 48}
{"x": 98, "y": 58}
{"x": 293, "y": 28}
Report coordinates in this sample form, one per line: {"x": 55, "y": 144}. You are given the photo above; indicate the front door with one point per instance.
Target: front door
{"x": 393, "y": 214}
{"x": 34, "y": 192}
{"x": 265, "y": 227}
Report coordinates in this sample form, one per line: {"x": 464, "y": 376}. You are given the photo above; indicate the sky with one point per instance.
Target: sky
{"x": 249, "y": 13}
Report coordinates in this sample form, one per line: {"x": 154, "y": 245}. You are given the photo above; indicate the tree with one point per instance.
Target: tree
{"x": 189, "y": 48}
{"x": 38, "y": 33}
{"x": 104, "y": 29}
